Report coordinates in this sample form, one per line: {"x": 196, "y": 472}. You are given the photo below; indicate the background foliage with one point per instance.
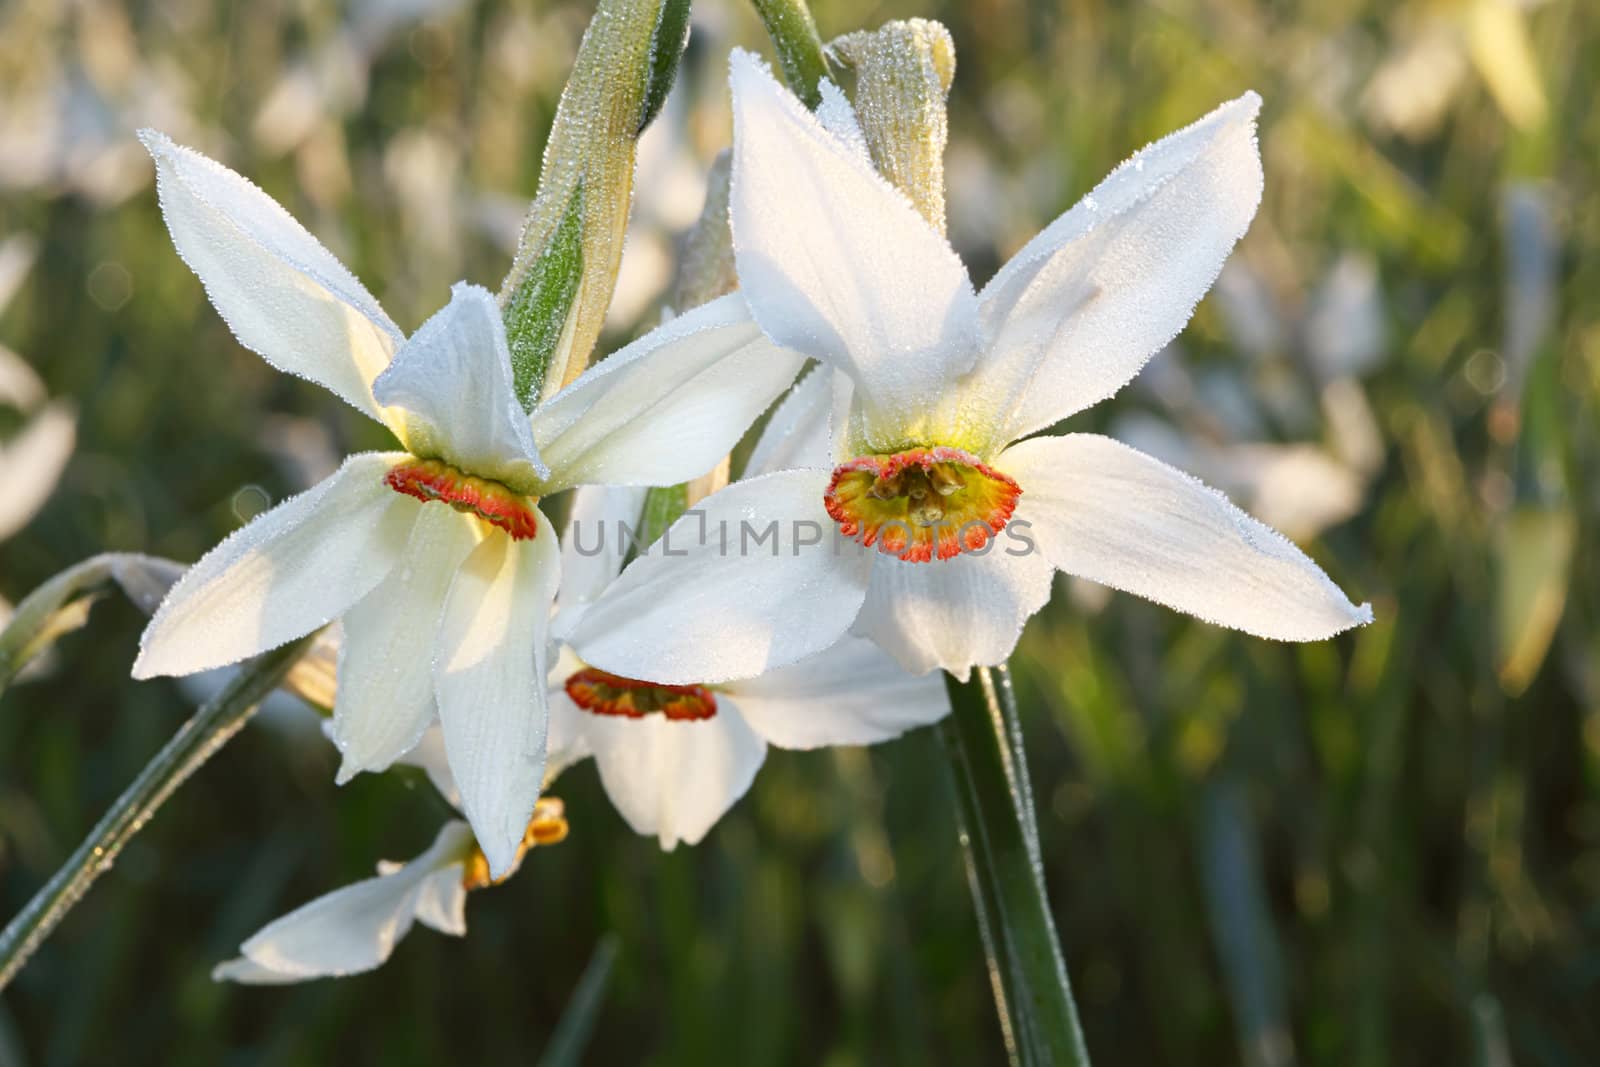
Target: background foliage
{"x": 1383, "y": 849}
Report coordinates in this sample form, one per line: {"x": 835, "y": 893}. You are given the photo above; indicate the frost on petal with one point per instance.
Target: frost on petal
{"x": 284, "y": 295}
{"x": 597, "y": 539}
{"x": 748, "y": 580}
{"x": 1079, "y": 310}
{"x": 489, "y": 677}
{"x": 839, "y": 119}
{"x": 453, "y": 379}
{"x": 675, "y": 779}
{"x": 835, "y": 262}
{"x": 294, "y": 569}
{"x": 1109, "y": 513}
{"x": 667, "y": 407}
{"x": 356, "y": 928}
{"x": 428, "y": 756}
{"x": 852, "y": 694}
{"x": 799, "y": 432}
{"x": 384, "y": 699}
{"x": 958, "y": 613}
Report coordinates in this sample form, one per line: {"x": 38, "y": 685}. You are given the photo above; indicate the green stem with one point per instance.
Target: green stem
{"x": 195, "y": 742}
{"x": 794, "y": 35}
{"x": 995, "y": 815}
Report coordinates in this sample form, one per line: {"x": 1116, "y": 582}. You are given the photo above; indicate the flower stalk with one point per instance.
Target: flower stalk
{"x": 206, "y": 731}
{"x": 794, "y": 36}
{"x": 982, "y": 739}
{"x": 555, "y": 297}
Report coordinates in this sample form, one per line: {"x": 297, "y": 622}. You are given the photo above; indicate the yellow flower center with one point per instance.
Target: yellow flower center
{"x": 432, "y": 480}
{"x": 921, "y": 504}
{"x": 547, "y": 827}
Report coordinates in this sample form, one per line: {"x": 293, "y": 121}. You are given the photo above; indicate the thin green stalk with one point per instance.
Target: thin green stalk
{"x": 995, "y": 815}
{"x": 794, "y": 36}
{"x": 195, "y": 742}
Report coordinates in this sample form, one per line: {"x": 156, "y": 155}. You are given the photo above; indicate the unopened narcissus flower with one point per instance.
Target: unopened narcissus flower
{"x": 675, "y": 758}
{"x": 957, "y": 518}
{"x": 436, "y": 558}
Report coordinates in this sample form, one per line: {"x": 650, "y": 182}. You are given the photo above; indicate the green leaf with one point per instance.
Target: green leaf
{"x": 1000, "y": 835}
{"x": 195, "y": 742}
{"x": 61, "y": 605}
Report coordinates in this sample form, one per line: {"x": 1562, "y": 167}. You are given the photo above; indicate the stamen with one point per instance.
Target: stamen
{"x": 921, "y": 504}
{"x": 548, "y": 826}
{"x": 431, "y": 480}
{"x": 601, "y": 693}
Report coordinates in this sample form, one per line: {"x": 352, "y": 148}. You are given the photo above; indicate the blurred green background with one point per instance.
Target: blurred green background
{"x": 1381, "y": 849}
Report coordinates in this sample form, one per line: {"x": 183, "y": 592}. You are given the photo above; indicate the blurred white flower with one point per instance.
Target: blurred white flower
{"x": 838, "y": 265}
{"x": 437, "y": 559}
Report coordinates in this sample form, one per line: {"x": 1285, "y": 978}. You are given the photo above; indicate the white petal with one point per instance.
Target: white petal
{"x": 675, "y": 779}
{"x": 838, "y": 117}
{"x": 667, "y": 407}
{"x": 1110, "y": 513}
{"x": 852, "y": 694}
{"x": 353, "y": 929}
{"x": 31, "y": 464}
{"x": 295, "y": 568}
{"x": 749, "y": 579}
{"x": 284, "y": 295}
{"x": 489, "y": 677}
{"x": 428, "y": 756}
{"x": 384, "y": 700}
{"x": 442, "y": 901}
{"x": 799, "y": 432}
{"x": 834, "y": 261}
{"x": 958, "y": 613}
{"x": 453, "y": 378}
{"x": 595, "y": 542}
{"x": 567, "y": 743}
{"x": 1075, "y": 314}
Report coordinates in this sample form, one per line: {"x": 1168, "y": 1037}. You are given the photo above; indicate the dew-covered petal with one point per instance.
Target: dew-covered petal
{"x": 598, "y": 537}
{"x": 453, "y": 380}
{"x": 384, "y": 700}
{"x": 958, "y": 613}
{"x": 1110, "y": 513}
{"x": 799, "y": 432}
{"x": 749, "y": 579}
{"x": 1080, "y": 309}
{"x": 429, "y": 757}
{"x": 674, "y": 779}
{"x": 489, "y": 677}
{"x": 356, "y": 928}
{"x": 284, "y": 295}
{"x": 852, "y": 694}
{"x": 667, "y": 407}
{"x": 293, "y": 569}
{"x": 835, "y": 262}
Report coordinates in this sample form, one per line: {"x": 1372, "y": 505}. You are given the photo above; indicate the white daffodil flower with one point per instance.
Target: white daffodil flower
{"x": 436, "y": 558}
{"x": 970, "y": 520}
{"x": 356, "y": 928}
{"x": 675, "y": 758}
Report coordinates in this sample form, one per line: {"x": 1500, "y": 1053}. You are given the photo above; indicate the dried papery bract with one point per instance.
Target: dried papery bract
{"x": 555, "y": 296}
{"x": 903, "y": 74}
